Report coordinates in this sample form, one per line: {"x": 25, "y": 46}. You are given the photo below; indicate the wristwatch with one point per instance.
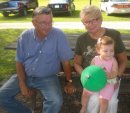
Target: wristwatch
{"x": 70, "y": 81}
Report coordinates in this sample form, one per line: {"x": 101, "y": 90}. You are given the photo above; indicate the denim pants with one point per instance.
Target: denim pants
{"x": 49, "y": 88}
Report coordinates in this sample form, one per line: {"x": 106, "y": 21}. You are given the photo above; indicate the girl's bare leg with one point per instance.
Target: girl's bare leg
{"x": 103, "y": 105}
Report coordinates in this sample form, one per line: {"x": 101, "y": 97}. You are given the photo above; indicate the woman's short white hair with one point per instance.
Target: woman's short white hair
{"x": 91, "y": 12}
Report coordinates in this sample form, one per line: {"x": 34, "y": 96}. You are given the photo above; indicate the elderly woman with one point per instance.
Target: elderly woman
{"x": 91, "y": 18}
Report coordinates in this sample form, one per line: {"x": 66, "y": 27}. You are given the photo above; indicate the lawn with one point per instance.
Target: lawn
{"x": 7, "y": 58}
{"x": 59, "y": 18}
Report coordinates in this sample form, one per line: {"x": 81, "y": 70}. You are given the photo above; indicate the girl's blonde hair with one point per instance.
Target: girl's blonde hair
{"x": 105, "y": 40}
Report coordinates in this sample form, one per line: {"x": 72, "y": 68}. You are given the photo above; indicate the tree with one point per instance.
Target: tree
{"x": 90, "y": 2}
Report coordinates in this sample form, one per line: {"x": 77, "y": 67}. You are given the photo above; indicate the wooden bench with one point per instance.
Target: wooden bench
{"x": 125, "y": 82}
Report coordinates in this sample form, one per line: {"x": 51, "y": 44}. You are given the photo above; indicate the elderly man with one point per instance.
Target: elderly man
{"x": 40, "y": 50}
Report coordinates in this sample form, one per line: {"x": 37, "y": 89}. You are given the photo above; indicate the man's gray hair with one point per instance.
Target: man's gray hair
{"x": 41, "y": 10}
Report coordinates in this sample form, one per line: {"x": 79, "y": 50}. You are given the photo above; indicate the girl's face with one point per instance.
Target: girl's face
{"x": 106, "y": 51}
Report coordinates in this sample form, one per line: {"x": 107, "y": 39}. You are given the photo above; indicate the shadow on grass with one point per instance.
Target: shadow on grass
{"x": 74, "y": 14}
{"x": 121, "y": 15}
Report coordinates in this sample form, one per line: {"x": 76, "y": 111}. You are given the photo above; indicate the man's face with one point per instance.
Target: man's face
{"x": 92, "y": 25}
{"x": 43, "y": 24}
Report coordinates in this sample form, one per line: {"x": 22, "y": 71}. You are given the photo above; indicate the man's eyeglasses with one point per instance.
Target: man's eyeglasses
{"x": 93, "y": 21}
{"x": 44, "y": 24}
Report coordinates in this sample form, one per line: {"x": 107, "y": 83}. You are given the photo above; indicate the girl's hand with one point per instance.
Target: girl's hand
{"x": 108, "y": 75}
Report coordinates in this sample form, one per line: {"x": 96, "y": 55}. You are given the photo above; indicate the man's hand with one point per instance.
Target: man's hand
{"x": 69, "y": 88}
{"x": 26, "y": 91}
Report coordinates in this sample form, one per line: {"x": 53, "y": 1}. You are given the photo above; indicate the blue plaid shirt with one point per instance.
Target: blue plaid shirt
{"x": 42, "y": 58}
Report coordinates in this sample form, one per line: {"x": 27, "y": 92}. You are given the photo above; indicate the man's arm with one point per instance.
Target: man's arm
{"x": 22, "y": 80}
{"x": 20, "y": 72}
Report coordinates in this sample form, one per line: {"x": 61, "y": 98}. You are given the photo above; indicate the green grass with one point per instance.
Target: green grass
{"x": 75, "y": 17}
{"x": 7, "y": 57}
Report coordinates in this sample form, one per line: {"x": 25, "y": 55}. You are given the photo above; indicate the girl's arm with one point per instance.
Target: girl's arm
{"x": 114, "y": 71}
{"x": 93, "y": 62}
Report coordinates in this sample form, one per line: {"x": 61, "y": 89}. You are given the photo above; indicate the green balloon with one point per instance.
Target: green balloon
{"x": 93, "y": 78}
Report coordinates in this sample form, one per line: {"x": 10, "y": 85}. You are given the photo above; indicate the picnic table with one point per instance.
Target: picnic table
{"x": 125, "y": 82}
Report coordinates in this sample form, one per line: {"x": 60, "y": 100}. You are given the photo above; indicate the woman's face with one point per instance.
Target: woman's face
{"x": 92, "y": 25}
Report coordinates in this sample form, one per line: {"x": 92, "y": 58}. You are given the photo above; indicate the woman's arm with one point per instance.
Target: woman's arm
{"x": 77, "y": 64}
{"x": 122, "y": 62}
